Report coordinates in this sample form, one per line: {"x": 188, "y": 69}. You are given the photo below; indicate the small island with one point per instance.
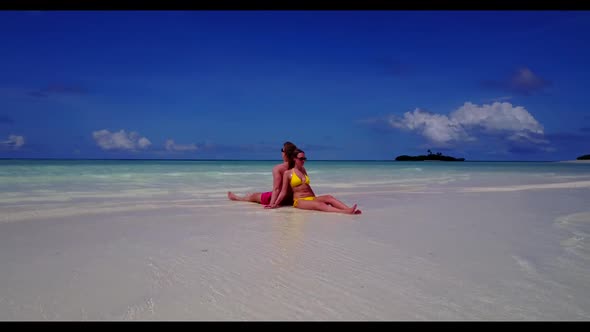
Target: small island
{"x": 430, "y": 157}
{"x": 584, "y": 157}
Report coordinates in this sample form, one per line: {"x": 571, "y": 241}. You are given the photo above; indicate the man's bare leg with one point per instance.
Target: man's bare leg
{"x": 253, "y": 197}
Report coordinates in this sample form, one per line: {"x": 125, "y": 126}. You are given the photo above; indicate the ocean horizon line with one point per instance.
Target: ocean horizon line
{"x": 330, "y": 160}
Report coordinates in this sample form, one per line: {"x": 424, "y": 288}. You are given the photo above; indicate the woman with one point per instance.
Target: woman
{"x": 303, "y": 196}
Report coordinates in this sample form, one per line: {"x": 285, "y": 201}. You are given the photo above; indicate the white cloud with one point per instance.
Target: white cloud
{"x": 120, "y": 140}
{"x": 171, "y": 146}
{"x": 526, "y": 137}
{"x": 14, "y": 141}
{"x": 463, "y": 124}
{"x": 497, "y": 117}
{"x": 436, "y": 127}
{"x": 143, "y": 143}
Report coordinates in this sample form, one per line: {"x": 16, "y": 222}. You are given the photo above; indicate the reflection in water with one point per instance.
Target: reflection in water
{"x": 577, "y": 225}
{"x": 288, "y": 233}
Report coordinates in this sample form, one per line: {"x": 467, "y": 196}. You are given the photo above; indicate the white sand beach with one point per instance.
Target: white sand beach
{"x": 446, "y": 250}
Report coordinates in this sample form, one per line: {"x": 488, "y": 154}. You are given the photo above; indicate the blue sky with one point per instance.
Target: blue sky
{"x": 483, "y": 85}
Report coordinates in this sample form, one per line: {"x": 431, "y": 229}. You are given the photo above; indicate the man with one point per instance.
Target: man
{"x": 268, "y": 198}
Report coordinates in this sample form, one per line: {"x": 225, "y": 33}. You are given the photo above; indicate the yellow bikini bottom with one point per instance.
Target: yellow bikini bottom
{"x": 308, "y": 198}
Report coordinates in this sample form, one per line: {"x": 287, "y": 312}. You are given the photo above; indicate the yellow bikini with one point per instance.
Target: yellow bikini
{"x": 296, "y": 181}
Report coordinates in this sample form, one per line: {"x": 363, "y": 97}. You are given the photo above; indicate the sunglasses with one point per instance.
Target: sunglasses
{"x": 302, "y": 159}
{"x": 282, "y": 150}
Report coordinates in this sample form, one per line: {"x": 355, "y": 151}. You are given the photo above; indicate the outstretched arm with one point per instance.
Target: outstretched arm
{"x": 284, "y": 188}
{"x": 276, "y": 184}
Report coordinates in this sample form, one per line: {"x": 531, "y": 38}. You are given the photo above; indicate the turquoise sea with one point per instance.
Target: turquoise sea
{"x": 52, "y": 185}
{"x": 209, "y": 176}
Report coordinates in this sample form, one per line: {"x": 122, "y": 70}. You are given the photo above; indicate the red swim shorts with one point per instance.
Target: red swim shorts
{"x": 265, "y": 198}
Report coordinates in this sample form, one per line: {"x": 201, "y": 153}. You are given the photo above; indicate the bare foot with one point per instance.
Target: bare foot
{"x": 232, "y": 196}
{"x": 352, "y": 209}
{"x": 355, "y": 211}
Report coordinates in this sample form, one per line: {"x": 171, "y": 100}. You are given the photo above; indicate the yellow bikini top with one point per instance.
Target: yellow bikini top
{"x": 296, "y": 181}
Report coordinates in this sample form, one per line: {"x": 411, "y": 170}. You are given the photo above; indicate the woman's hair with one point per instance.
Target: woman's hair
{"x": 288, "y": 148}
{"x": 292, "y": 157}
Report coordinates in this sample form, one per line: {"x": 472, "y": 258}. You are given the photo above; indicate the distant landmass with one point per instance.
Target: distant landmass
{"x": 431, "y": 156}
{"x": 584, "y": 157}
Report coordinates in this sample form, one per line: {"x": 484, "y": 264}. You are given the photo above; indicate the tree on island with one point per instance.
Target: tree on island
{"x": 430, "y": 153}
{"x": 584, "y": 157}
{"x": 438, "y": 156}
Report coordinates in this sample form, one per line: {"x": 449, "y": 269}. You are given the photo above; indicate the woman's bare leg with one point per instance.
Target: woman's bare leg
{"x": 332, "y": 201}
{"x": 253, "y": 197}
{"x": 336, "y": 203}
{"x": 322, "y": 206}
